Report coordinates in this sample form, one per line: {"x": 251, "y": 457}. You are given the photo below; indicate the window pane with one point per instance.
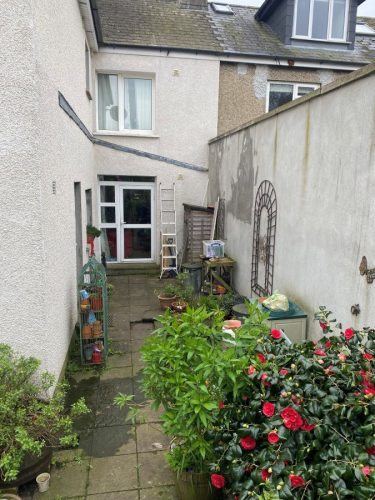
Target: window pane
{"x": 108, "y": 239}
{"x": 338, "y": 19}
{"x": 107, "y": 102}
{"x": 320, "y": 19}
{"x": 303, "y": 14}
{"x": 137, "y": 243}
{"x": 280, "y": 93}
{"x": 304, "y": 90}
{"x": 107, "y": 194}
{"x": 108, "y": 215}
{"x": 138, "y": 104}
{"x": 137, "y": 206}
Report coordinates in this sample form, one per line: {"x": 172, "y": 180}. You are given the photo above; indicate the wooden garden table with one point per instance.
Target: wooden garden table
{"x": 214, "y": 268}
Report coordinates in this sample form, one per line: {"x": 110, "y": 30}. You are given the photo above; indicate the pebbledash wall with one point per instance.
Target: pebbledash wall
{"x": 186, "y": 97}
{"x": 319, "y": 153}
{"x": 42, "y": 52}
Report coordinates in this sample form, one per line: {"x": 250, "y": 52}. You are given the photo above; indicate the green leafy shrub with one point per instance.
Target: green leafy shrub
{"x": 29, "y": 419}
{"x": 303, "y": 424}
{"x": 187, "y": 371}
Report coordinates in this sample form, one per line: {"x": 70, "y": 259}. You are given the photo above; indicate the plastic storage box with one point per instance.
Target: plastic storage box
{"x": 213, "y": 248}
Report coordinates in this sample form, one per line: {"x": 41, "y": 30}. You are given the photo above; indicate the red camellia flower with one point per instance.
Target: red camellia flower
{"x": 296, "y": 400}
{"x": 292, "y": 419}
{"x": 251, "y": 370}
{"x": 268, "y": 409}
{"x": 265, "y": 474}
{"x": 283, "y": 371}
{"x": 328, "y": 344}
{"x": 349, "y": 333}
{"x": 273, "y": 438}
{"x": 261, "y": 357}
{"x": 221, "y": 405}
{"x": 296, "y": 481}
{"x": 368, "y": 356}
{"x": 307, "y": 427}
{"x": 248, "y": 443}
{"x": 263, "y": 379}
{"x": 342, "y": 357}
{"x": 218, "y": 481}
{"x": 276, "y": 334}
{"x": 371, "y": 451}
{"x": 318, "y": 352}
{"x": 366, "y": 470}
{"x": 323, "y": 326}
{"x": 369, "y": 391}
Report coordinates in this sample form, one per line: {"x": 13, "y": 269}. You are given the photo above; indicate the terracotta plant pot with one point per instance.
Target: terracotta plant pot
{"x": 195, "y": 486}
{"x": 179, "y": 306}
{"x": 86, "y": 331}
{"x": 85, "y": 304}
{"x": 97, "y": 329}
{"x": 166, "y": 302}
{"x": 96, "y": 303}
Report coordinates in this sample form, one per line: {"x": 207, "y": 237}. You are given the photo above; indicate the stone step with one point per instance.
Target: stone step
{"x": 125, "y": 269}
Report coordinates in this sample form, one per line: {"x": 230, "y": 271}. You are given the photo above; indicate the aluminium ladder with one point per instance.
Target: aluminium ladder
{"x": 168, "y": 230}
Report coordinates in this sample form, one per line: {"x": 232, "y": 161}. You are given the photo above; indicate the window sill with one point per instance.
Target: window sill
{"x": 307, "y": 39}
{"x": 114, "y": 133}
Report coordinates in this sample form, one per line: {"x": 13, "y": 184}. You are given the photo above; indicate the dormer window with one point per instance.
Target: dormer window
{"x": 321, "y": 19}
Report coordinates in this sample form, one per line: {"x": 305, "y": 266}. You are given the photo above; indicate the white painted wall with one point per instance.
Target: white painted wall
{"x": 320, "y": 157}
{"x": 39, "y": 144}
{"x": 186, "y": 108}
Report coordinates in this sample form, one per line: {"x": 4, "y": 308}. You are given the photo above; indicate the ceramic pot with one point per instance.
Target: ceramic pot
{"x": 87, "y": 351}
{"x": 43, "y": 481}
{"x": 180, "y": 306}
{"x": 96, "y": 303}
{"x": 97, "y": 328}
{"x": 166, "y": 302}
{"x": 85, "y": 304}
{"x": 86, "y": 331}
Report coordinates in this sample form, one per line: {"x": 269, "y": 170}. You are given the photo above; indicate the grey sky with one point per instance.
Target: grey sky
{"x": 366, "y": 9}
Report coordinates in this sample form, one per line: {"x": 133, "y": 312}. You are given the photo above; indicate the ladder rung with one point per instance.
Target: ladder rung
{"x": 168, "y": 211}
{"x": 169, "y": 245}
{"x": 168, "y": 234}
{"x": 166, "y": 189}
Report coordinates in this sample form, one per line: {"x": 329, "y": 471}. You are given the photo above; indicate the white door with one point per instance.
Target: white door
{"x": 137, "y": 222}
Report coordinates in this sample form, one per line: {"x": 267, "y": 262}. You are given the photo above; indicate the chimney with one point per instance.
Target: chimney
{"x": 194, "y": 4}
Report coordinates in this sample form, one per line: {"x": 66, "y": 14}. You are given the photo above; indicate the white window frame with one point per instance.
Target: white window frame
{"x": 329, "y": 29}
{"x": 296, "y": 86}
{"x": 121, "y": 98}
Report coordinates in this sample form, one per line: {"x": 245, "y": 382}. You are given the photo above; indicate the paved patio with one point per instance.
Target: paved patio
{"x": 116, "y": 460}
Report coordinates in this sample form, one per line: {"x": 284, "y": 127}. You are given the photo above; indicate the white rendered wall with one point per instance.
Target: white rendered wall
{"x": 186, "y": 107}
{"x": 39, "y": 144}
{"x": 320, "y": 157}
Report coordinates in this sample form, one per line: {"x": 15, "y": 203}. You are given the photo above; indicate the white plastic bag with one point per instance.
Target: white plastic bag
{"x": 277, "y": 302}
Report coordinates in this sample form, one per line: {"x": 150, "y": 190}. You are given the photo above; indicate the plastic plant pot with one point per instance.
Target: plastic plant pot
{"x": 43, "y": 481}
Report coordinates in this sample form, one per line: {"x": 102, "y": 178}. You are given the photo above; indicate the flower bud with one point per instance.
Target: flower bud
{"x": 293, "y": 366}
{"x": 279, "y": 487}
{"x": 269, "y": 469}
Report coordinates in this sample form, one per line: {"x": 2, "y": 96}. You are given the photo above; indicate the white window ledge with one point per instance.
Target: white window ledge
{"x": 307, "y": 39}
{"x": 143, "y": 135}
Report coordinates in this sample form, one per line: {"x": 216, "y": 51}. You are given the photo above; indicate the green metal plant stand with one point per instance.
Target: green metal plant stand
{"x": 93, "y": 313}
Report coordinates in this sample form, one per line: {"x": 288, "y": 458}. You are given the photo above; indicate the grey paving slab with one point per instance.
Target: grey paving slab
{"x": 154, "y": 470}
{"x": 159, "y": 493}
{"x": 149, "y": 415}
{"x": 117, "y": 495}
{"x": 140, "y": 331}
{"x": 66, "y": 482}
{"x": 117, "y": 372}
{"x": 111, "y": 441}
{"x": 107, "y": 414}
{"x": 136, "y": 344}
{"x": 110, "y": 474}
{"x": 150, "y": 437}
{"x": 121, "y": 334}
{"x": 119, "y": 360}
{"x": 120, "y": 346}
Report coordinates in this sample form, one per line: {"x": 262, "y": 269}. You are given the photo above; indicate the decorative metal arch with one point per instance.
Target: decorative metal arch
{"x": 264, "y": 245}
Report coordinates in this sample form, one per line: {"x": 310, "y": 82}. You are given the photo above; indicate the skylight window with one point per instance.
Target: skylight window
{"x": 222, "y": 8}
{"x": 363, "y": 29}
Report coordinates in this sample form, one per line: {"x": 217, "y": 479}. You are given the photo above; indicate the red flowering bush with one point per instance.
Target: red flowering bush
{"x": 299, "y": 422}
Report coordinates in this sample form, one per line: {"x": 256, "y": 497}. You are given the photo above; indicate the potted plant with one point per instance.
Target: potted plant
{"x": 32, "y": 421}
{"x": 302, "y": 424}
{"x": 92, "y": 232}
{"x": 186, "y": 372}
{"x": 96, "y": 301}
{"x": 167, "y": 295}
{"x": 184, "y": 293}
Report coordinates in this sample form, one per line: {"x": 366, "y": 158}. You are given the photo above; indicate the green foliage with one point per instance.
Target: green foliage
{"x": 188, "y": 367}
{"x": 223, "y": 302}
{"x": 29, "y": 418}
{"x": 92, "y": 231}
{"x": 330, "y": 387}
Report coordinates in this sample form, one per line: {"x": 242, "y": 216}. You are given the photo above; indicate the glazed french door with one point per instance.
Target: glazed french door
{"x": 127, "y": 221}
{"x": 137, "y": 221}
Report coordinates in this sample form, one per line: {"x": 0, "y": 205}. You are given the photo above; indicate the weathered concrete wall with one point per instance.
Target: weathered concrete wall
{"x": 243, "y": 89}
{"x": 40, "y": 145}
{"x": 319, "y": 154}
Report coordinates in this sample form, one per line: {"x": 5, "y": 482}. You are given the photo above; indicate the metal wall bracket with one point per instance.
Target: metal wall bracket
{"x": 364, "y": 271}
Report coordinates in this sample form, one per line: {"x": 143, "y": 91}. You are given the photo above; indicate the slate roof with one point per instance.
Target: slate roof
{"x": 170, "y": 24}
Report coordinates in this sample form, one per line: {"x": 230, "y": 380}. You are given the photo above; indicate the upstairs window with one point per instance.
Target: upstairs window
{"x": 321, "y": 19}
{"x": 280, "y": 93}
{"x": 125, "y": 103}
